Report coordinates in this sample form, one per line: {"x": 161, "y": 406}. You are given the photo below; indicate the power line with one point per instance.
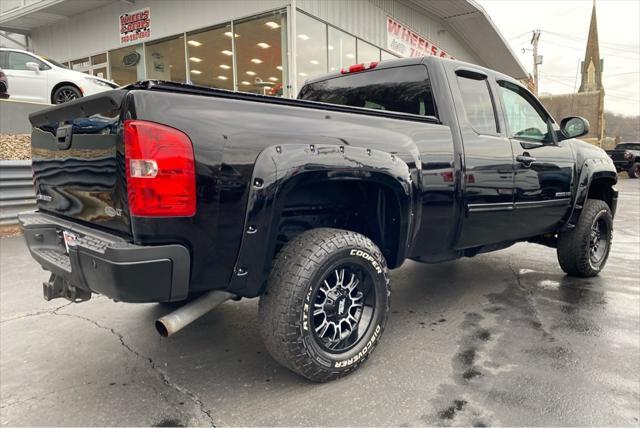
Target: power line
{"x": 520, "y": 35}
{"x": 607, "y": 91}
{"x": 604, "y": 48}
{"x": 635, "y": 100}
{"x": 579, "y": 49}
{"x": 620, "y": 46}
{"x": 623, "y": 74}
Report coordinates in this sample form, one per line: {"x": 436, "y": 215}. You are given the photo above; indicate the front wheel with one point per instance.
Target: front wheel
{"x": 326, "y": 303}
{"x": 65, "y": 94}
{"x": 634, "y": 171}
{"x": 583, "y": 251}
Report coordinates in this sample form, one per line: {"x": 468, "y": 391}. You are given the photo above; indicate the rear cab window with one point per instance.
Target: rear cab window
{"x": 404, "y": 89}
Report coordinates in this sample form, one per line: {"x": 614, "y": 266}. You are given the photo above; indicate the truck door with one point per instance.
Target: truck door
{"x": 543, "y": 168}
{"x": 488, "y": 157}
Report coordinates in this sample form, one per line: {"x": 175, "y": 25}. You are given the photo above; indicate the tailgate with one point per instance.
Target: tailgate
{"x": 78, "y": 161}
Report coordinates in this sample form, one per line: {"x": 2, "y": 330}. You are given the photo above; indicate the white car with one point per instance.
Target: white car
{"x": 37, "y": 79}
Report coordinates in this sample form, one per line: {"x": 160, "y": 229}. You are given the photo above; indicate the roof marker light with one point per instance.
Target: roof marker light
{"x": 355, "y": 68}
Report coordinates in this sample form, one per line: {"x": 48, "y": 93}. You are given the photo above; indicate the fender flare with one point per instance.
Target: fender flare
{"x": 592, "y": 170}
{"x": 279, "y": 169}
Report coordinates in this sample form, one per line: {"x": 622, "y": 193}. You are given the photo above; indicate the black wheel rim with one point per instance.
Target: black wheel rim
{"x": 65, "y": 95}
{"x": 343, "y": 308}
{"x": 598, "y": 241}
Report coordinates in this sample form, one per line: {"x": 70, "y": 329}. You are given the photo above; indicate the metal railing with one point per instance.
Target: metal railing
{"x": 16, "y": 190}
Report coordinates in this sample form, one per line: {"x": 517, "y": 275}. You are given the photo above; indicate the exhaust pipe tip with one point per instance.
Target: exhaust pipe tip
{"x": 162, "y": 329}
{"x": 185, "y": 315}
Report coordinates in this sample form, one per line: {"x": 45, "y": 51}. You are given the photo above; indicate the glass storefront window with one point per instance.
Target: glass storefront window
{"x": 210, "y": 56}
{"x": 367, "y": 52}
{"x": 99, "y": 59}
{"x": 165, "y": 60}
{"x": 311, "y": 46}
{"x": 126, "y": 64}
{"x": 342, "y": 49}
{"x": 81, "y": 64}
{"x": 100, "y": 72}
{"x": 260, "y": 57}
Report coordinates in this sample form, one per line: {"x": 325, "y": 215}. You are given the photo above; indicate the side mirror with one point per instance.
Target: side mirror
{"x": 33, "y": 66}
{"x": 574, "y": 126}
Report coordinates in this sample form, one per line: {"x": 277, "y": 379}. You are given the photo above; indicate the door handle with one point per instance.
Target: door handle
{"x": 526, "y": 160}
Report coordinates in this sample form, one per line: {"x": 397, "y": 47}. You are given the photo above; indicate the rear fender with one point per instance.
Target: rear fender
{"x": 279, "y": 169}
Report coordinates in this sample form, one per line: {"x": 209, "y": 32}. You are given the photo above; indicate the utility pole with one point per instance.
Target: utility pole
{"x": 537, "y": 59}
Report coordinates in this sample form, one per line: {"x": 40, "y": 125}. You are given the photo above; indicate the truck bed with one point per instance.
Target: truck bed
{"x": 228, "y": 131}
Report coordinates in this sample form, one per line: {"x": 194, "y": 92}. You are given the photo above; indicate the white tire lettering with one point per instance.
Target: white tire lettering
{"x": 368, "y": 257}
{"x": 362, "y": 353}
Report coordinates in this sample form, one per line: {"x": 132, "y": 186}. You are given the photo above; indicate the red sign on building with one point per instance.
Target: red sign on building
{"x": 405, "y": 42}
{"x": 135, "y": 26}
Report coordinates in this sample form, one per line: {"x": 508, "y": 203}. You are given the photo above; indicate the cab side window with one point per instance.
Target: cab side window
{"x": 478, "y": 103}
{"x": 525, "y": 118}
{"x": 19, "y": 60}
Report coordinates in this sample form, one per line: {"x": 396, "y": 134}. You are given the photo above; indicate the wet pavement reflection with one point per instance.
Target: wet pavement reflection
{"x": 500, "y": 339}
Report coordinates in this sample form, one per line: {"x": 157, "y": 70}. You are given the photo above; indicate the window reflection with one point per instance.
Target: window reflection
{"x": 401, "y": 89}
{"x": 165, "y": 60}
{"x": 126, "y": 65}
{"x": 311, "y": 46}
{"x": 210, "y": 56}
{"x": 367, "y": 52}
{"x": 342, "y": 49}
{"x": 260, "y": 57}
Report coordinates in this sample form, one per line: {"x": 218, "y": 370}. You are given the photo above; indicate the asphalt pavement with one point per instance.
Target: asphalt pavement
{"x": 500, "y": 339}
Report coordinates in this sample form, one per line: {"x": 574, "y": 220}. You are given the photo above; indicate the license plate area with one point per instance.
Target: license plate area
{"x": 69, "y": 239}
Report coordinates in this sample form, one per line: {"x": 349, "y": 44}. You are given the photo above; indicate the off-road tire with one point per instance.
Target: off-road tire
{"x": 634, "y": 171}
{"x": 574, "y": 245}
{"x": 297, "y": 270}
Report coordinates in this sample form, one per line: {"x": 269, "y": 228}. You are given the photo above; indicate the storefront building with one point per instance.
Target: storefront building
{"x": 262, "y": 46}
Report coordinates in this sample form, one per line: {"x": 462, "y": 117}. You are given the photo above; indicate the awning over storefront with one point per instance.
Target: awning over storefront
{"x": 22, "y": 16}
{"x": 472, "y": 24}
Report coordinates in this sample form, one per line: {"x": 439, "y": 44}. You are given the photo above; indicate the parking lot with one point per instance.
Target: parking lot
{"x": 500, "y": 339}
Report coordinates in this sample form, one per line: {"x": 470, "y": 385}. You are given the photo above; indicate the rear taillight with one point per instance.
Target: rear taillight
{"x": 160, "y": 170}
{"x": 359, "y": 67}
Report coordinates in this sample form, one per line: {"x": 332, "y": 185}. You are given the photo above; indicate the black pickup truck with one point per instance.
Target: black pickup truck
{"x": 183, "y": 193}
{"x": 626, "y": 157}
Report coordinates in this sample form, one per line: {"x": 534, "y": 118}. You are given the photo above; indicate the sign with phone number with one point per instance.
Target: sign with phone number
{"x": 135, "y": 26}
{"x": 405, "y": 42}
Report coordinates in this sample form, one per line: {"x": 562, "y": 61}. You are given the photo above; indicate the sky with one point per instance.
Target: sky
{"x": 564, "y": 26}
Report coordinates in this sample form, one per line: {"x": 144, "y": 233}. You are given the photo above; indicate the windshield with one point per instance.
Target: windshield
{"x": 56, "y": 63}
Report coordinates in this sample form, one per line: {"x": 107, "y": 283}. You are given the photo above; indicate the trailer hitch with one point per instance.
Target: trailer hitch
{"x": 58, "y": 287}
